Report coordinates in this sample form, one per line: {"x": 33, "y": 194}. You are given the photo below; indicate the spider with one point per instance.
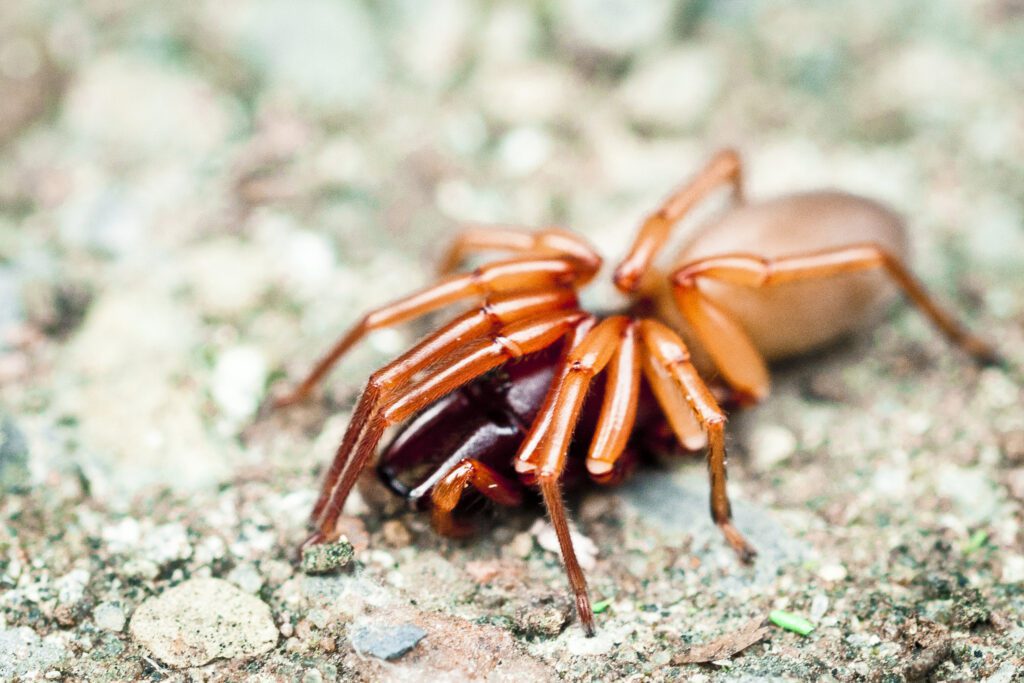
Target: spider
{"x": 493, "y": 398}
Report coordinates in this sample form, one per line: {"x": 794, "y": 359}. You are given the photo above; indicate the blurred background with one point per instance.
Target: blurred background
{"x": 197, "y": 198}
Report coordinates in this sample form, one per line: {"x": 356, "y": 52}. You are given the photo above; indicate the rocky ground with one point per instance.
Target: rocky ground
{"x": 196, "y": 198}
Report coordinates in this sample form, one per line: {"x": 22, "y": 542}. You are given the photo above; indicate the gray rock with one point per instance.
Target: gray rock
{"x": 22, "y": 653}
{"x": 386, "y": 641}
{"x": 679, "y": 505}
{"x": 202, "y": 620}
{"x": 14, "y": 474}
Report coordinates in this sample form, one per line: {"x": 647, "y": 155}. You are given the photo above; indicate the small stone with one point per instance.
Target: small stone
{"x": 674, "y": 91}
{"x": 14, "y": 474}
{"x": 543, "y": 616}
{"x": 586, "y": 549}
{"x": 521, "y": 545}
{"x": 1013, "y": 570}
{"x": 246, "y": 577}
{"x": 326, "y": 557}
{"x": 819, "y": 607}
{"x": 238, "y": 382}
{"x": 771, "y": 445}
{"x": 167, "y": 543}
{"x": 109, "y": 616}
{"x": 202, "y": 620}
{"x": 395, "y": 534}
{"x": 832, "y": 572}
{"x": 386, "y": 641}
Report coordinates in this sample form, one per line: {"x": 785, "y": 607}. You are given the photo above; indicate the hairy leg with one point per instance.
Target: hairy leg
{"x": 500, "y": 277}
{"x": 447, "y": 493}
{"x": 521, "y": 241}
{"x": 489, "y": 318}
{"x": 465, "y": 364}
{"x": 668, "y": 350}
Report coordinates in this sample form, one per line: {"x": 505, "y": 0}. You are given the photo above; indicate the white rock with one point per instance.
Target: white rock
{"x": 586, "y": 549}
{"x": 166, "y": 543}
{"x": 617, "y": 26}
{"x": 523, "y": 150}
{"x": 1013, "y": 569}
{"x": 819, "y": 606}
{"x": 674, "y": 91}
{"x": 246, "y": 577}
{"x": 71, "y": 586}
{"x": 771, "y": 445}
{"x": 832, "y": 572}
{"x": 238, "y": 381}
{"x": 202, "y": 620}
{"x": 109, "y": 616}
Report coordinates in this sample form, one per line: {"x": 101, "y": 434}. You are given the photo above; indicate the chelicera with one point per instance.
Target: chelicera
{"x": 497, "y": 399}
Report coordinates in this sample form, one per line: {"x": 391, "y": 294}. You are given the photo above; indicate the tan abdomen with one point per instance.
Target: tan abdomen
{"x": 793, "y": 318}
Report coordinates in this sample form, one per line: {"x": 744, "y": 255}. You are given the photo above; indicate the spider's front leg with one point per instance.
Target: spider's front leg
{"x": 463, "y": 364}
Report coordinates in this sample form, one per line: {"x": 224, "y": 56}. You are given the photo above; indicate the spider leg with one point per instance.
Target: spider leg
{"x": 618, "y": 412}
{"x": 732, "y": 350}
{"x": 668, "y": 350}
{"x": 724, "y": 168}
{"x": 464, "y": 364}
{"x": 499, "y": 277}
{"x": 491, "y": 316}
{"x": 543, "y": 453}
{"x": 447, "y": 493}
{"x": 681, "y": 418}
{"x": 548, "y": 242}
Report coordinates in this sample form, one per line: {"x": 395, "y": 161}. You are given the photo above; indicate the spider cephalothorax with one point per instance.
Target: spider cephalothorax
{"x": 766, "y": 280}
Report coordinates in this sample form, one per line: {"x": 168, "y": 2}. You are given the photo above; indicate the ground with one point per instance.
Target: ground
{"x": 197, "y": 198}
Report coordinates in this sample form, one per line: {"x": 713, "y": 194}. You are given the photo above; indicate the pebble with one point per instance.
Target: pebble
{"x": 819, "y": 606}
{"x": 586, "y": 549}
{"x": 521, "y": 545}
{"x": 246, "y": 577}
{"x": 771, "y": 445}
{"x": 202, "y": 620}
{"x": 109, "y": 616}
{"x": 166, "y": 543}
{"x": 238, "y": 380}
{"x": 616, "y": 26}
{"x": 972, "y": 493}
{"x": 386, "y": 641}
{"x": 1013, "y": 570}
{"x": 832, "y": 572}
{"x": 14, "y": 474}
{"x": 326, "y": 557}
{"x": 395, "y": 534}
{"x": 675, "y": 91}
{"x": 24, "y": 654}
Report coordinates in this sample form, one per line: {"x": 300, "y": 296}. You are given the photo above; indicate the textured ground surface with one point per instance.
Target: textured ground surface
{"x": 195, "y": 198}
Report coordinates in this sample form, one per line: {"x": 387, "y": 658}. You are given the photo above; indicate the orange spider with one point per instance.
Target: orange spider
{"x": 766, "y": 280}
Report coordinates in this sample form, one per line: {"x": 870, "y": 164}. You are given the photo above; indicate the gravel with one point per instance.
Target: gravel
{"x": 197, "y": 201}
